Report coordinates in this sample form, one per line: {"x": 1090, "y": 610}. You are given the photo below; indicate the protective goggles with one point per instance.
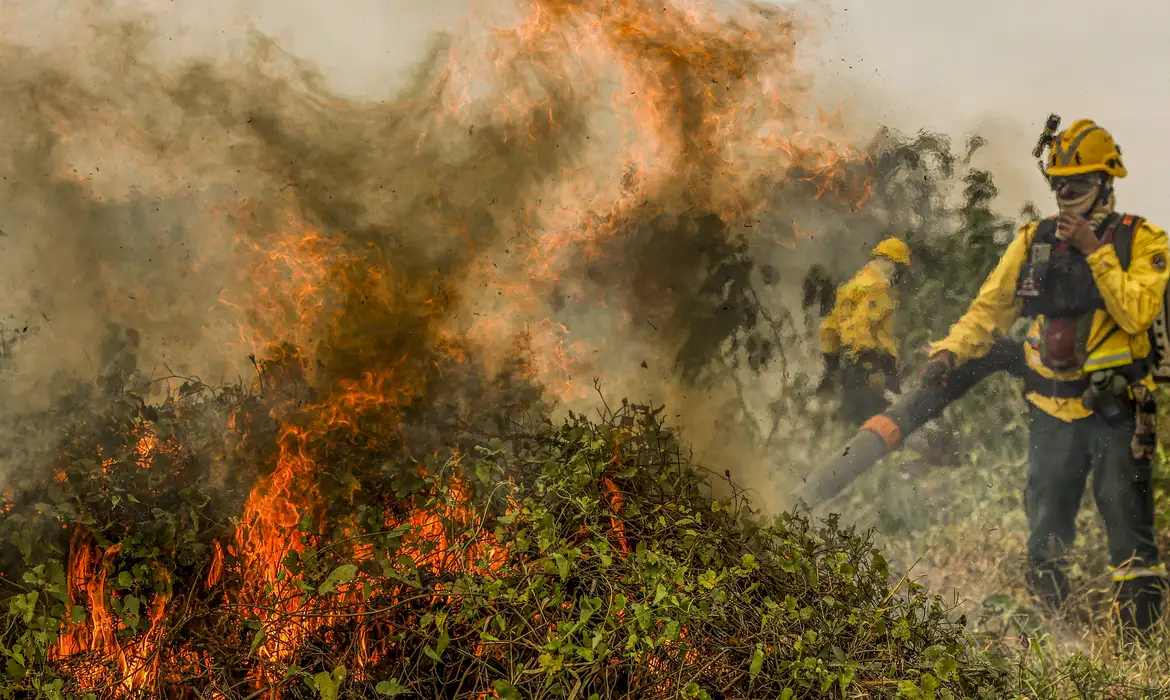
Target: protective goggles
{"x": 1069, "y": 186}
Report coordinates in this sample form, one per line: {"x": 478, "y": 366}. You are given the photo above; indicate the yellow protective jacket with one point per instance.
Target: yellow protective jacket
{"x": 1133, "y": 299}
{"x": 862, "y": 317}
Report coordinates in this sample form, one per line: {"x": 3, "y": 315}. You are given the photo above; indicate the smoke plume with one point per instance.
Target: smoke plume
{"x": 557, "y": 191}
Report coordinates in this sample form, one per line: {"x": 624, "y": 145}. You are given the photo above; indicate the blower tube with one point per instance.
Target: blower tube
{"x": 885, "y": 431}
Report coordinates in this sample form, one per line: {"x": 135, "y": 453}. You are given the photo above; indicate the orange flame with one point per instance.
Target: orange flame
{"x": 697, "y": 113}
{"x": 136, "y": 662}
{"x": 701, "y": 110}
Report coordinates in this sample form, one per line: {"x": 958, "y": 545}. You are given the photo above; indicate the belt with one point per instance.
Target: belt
{"x": 1071, "y": 389}
{"x": 1054, "y": 388}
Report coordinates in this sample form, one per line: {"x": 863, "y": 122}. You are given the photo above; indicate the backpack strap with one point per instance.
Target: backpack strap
{"x": 1122, "y": 232}
{"x": 1045, "y": 228}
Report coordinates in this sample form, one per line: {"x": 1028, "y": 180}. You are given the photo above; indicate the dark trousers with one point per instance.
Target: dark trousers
{"x": 859, "y": 402}
{"x": 1061, "y": 457}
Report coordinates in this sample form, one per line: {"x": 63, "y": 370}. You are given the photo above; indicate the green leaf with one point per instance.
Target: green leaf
{"x": 257, "y": 641}
{"x": 562, "y": 565}
{"x": 339, "y": 576}
{"x": 325, "y": 686}
{"x": 945, "y": 667}
{"x": 130, "y": 610}
{"x": 757, "y": 662}
{"x": 125, "y": 580}
{"x": 506, "y": 690}
{"x": 587, "y": 608}
{"x": 929, "y": 684}
{"x": 24, "y": 605}
{"x": 846, "y": 678}
{"x": 441, "y": 645}
{"x": 14, "y": 669}
{"x": 390, "y": 688}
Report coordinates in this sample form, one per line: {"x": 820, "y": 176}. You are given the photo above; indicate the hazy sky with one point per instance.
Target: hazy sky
{"x": 952, "y": 65}
{"x": 997, "y": 65}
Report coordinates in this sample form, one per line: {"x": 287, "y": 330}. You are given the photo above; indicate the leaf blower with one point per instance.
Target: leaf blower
{"x": 884, "y": 432}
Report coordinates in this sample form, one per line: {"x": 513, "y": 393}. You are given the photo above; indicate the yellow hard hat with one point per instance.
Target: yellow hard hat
{"x": 893, "y": 249}
{"x": 1084, "y": 147}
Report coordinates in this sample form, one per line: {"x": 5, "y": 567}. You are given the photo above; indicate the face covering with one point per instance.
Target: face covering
{"x": 1079, "y": 194}
{"x": 1078, "y": 204}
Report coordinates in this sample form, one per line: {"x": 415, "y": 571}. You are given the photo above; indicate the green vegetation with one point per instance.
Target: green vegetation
{"x": 527, "y": 577}
{"x": 203, "y": 548}
{"x": 948, "y": 508}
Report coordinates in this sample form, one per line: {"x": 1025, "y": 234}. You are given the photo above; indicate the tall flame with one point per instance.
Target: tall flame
{"x": 695, "y": 112}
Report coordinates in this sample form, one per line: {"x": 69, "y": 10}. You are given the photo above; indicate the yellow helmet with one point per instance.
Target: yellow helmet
{"x": 1084, "y": 147}
{"x": 893, "y": 249}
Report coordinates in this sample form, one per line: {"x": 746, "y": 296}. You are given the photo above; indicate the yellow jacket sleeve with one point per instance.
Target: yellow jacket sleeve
{"x": 994, "y": 309}
{"x": 1133, "y": 297}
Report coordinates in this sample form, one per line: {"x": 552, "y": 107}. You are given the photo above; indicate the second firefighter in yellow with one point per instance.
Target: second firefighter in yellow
{"x": 1092, "y": 281}
{"x": 857, "y": 337}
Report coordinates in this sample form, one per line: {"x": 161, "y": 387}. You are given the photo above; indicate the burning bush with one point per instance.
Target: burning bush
{"x": 580, "y": 559}
{"x": 368, "y": 521}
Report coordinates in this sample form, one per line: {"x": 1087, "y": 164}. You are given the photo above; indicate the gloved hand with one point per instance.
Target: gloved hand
{"x": 828, "y": 379}
{"x": 894, "y": 383}
{"x": 934, "y": 372}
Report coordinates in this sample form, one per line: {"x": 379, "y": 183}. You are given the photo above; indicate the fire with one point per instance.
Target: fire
{"x": 267, "y": 534}
{"x": 702, "y": 110}
{"x": 695, "y": 112}
{"x": 615, "y": 503}
{"x": 284, "y": 515}
{"x": 136, "y": 663}
{"x": 293, "y": 291}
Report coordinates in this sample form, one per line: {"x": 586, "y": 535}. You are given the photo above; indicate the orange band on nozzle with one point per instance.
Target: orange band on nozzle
{"x": 886, "y": 429}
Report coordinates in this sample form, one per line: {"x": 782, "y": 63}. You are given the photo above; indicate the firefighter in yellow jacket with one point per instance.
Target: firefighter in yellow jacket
{"x": 857, "y": 337}
{"x": 1092, "y": 281}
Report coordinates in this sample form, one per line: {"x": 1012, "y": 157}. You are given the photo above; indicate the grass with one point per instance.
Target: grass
{"x": 968, "y": 545}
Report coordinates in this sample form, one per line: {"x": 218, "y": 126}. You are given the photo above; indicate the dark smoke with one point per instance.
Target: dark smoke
{"x": 597, "y": 190}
